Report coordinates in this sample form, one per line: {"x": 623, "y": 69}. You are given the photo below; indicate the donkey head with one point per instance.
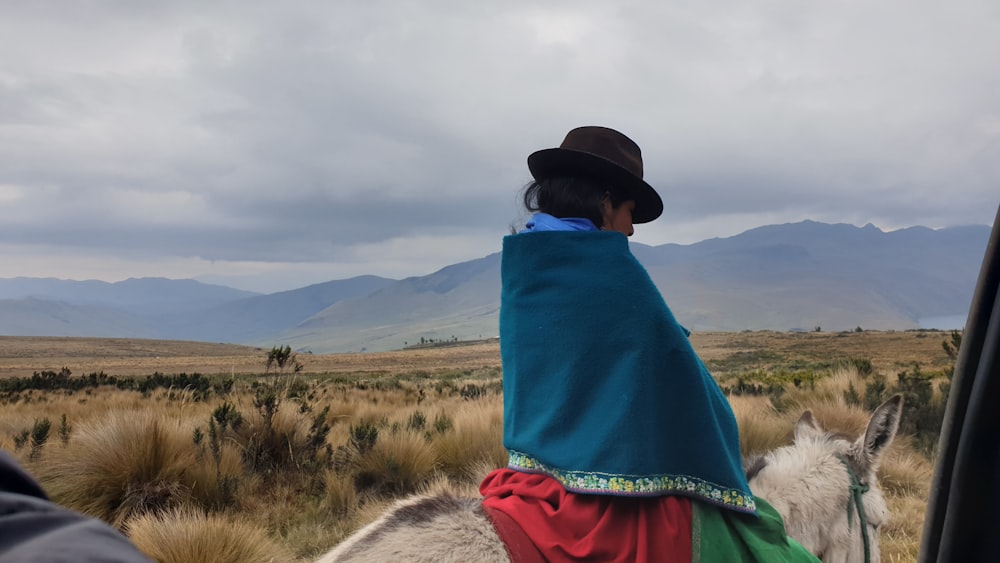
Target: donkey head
{"x": 824, "y": 485}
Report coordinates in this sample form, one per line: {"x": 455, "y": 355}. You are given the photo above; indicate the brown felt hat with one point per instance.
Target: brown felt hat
{"x": 605, "y": 154}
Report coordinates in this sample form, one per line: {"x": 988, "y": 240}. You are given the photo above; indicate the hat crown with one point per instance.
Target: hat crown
{"x": 602, "y": 154}
{"x": 605, "y": 143}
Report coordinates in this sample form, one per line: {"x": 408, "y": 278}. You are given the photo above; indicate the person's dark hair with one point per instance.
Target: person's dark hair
{"x": 569, "y": 196}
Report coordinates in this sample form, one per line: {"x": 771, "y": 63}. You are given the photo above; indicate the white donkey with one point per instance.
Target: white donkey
{"x": 823, "y": 485}
{"x": 825, "y": 488}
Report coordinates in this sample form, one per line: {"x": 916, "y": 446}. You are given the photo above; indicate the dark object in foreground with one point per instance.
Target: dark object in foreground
{"x": 962, "y": 517}
{"x": 33, "y": 529}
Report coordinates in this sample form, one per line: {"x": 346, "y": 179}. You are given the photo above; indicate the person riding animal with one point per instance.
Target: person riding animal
{"x": 621, "y": 445}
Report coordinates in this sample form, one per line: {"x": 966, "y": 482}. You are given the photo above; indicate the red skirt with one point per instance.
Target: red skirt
{"x": 570, "y": 527}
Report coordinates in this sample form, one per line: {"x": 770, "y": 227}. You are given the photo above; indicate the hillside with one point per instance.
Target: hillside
{"x": 796, "y": 276}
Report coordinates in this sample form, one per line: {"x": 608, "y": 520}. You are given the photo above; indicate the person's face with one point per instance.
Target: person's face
{"x": 620, "y": 218}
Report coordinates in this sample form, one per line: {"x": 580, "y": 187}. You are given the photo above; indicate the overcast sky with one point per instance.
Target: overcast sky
{"x": 269, "y": 145}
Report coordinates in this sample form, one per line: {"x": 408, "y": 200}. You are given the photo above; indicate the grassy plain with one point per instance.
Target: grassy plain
{"x": 23, "y": 355}
{"x": 726, "y": 353}
{"x": 294, "y": 461}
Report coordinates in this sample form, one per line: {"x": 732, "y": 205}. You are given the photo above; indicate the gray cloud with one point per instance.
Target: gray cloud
{"x": 252, "y": 132}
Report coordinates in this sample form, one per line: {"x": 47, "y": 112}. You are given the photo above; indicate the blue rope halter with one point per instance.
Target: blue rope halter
{"x": 854, "y": 503}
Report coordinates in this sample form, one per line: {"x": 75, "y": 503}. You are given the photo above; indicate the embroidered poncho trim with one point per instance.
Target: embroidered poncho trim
{"x": 630, "y": 485}
{"x": 602, "y": 389}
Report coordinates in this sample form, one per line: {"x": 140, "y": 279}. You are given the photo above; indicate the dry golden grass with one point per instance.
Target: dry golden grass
{"x": 762, "y": 428}
{"x": 475, "y": 440}
{"x": 82, "y": 407}
{"x": 23, "y": 355}
{"x": 190, "y": 536}
{"x": 210, "y": 478}
{"x": 889, "y": 352}
{"x": 397, "y": 464}
{"x": 280, "y": 441}
{"x": 136, "y": 452}
{"x": 905, "y": 473}
{"x": 314, "y": 536}
{"x": 339, "y": 494}
{"x": 900, "y": 537}
{"x": 124, "y": 464}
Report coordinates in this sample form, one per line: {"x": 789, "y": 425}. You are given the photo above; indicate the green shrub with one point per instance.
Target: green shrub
{"x": 851, "y": 396}
{"x": 227, "y": 416}
{"x": 875, "y": 392}
{"x": 417, "y": 420}
{"x": 472, "y": 391}
{"x": 64, "y": 429}
{"x": 923, "y": 413}
{"x": 363, "y": 437}
{"x": 442, "y": 423}
{"x": 863, "y": 366}
{"x": 21, "y": 438}
{"x": 39, "y": 435}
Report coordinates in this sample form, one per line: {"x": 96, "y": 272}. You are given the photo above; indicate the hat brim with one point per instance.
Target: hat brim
{"x": 548, "y": 163}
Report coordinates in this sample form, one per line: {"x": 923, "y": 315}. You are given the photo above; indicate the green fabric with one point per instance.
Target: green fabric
{"x": 725, "y": 536}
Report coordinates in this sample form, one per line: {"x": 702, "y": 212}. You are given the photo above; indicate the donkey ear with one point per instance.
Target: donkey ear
{"x": 881, "y": 430}
{"x": 806, "y": 426}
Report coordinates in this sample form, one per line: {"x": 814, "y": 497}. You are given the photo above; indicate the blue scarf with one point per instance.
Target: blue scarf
{"x": 546, "y": 222}
{"x": 602, "y": 389}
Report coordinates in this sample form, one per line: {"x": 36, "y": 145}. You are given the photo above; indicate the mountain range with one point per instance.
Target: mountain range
{"x": 797, "y": 276}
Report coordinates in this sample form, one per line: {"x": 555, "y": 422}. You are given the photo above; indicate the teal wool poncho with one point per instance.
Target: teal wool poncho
{"x": 602, "y": 389}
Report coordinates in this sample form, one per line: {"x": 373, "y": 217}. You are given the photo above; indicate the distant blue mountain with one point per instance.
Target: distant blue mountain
{"x": 28, "y": 316}
{"x": 459, "y": 301}
{"x": 136, "y": 295}
{"x": 262, "y": 316}
{"x": 781, "y": 277}
{"x": 163, "y": 308}
{"x": 810, "y": 274}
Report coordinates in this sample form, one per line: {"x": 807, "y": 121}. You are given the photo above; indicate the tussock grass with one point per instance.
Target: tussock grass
{"x": 276, "y": 442}
{"x": 900, "y": 537}
{"x": 444, "y": 484}
{"x": 905, "y": 473}
{"x": 188, "y": 536}
{"x": 825, "y": 398}
{"x": 762, "y": 428}
{"x": 475, "y": 439}
{"x": 343, "y": 408}
{"x": 313, "y": 536}
{"x": 127, "y": 463}
{"x": 839, "y": 417}
{"x": 291, "y": 508}
{"x": 339, "y": 495}
{"x": 214, "y": 483}
{"x": 374, "y": 412}
{"x": 397, "y": 464}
